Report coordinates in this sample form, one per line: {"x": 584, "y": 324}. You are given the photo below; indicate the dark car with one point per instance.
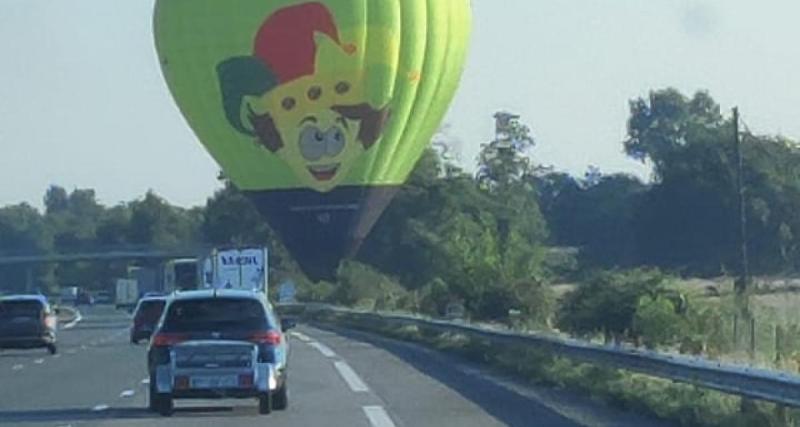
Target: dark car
{"x": 145, "y": 317}
{"x": 219, "y": 344}
{"x": 27, "y": 321}
{"x": 84, "y": 298}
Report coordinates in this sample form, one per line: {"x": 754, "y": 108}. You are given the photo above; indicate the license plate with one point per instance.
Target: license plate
{"x": 214, "y": 381}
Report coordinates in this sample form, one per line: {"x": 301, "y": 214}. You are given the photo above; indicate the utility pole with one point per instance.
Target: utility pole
{"x": 744, "y": 270}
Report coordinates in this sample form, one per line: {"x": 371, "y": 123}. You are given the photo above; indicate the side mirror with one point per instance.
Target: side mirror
{"x": 288, "y": 323}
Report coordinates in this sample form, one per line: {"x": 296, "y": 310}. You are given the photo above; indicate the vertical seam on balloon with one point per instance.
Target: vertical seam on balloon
{"x": 371, "y": 174}
{"x": 424, "y": 64}
{"x": 437, "y": 82}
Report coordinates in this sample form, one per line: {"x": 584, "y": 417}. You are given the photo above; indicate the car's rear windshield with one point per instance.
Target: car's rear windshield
{"x": 20, "y": 308}
{"x": 150, "y": 310}
{"x": 215, "y": 314}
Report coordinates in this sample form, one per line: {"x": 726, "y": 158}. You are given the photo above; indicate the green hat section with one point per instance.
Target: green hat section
{"x": 289, "y": 94}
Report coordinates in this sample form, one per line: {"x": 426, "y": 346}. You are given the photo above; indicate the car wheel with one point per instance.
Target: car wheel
{"x": 161, "y": 403}
{"x": 280, "y": 398}
{"x": 52, "y": 348}
{"x": 265, "y": 404}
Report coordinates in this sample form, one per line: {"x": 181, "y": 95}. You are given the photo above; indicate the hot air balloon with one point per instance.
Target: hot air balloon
{"x": 317, "y": 110}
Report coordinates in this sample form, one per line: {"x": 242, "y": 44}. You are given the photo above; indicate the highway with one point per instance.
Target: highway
{"x": 337, "y": 378}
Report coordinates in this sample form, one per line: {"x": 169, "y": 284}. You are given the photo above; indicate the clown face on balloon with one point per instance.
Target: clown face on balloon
{"x": 298, "y": 102}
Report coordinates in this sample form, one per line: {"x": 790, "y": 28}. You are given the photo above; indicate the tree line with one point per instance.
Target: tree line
{"x": 487, "y": 239}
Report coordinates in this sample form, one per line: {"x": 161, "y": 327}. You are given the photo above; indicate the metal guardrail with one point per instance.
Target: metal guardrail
{"x": 773, "y": 386}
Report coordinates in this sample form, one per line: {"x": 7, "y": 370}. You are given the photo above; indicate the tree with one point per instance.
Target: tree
{"x": 504, "y": 161}
{"x": 660, "y": 125}
{"x": 607, "y": 302}
{"x": 23, "y": 231}
{"x": 56, "y": 200}
{"x": 155, "y": 222}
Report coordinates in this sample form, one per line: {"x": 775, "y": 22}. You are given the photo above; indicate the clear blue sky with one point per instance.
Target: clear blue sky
{"x": 82, "y": 102}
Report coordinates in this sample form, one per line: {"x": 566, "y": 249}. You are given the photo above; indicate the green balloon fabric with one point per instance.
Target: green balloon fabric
{"x": 313, "y": 94}
{"x": 317, "y": 110}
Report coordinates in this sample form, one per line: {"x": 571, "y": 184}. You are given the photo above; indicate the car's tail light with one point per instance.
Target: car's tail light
{"x": 181, "y": 382}
{"x": 166, "y": 339}
{"x": 49, "y": 321}
{"x": 268, "y": 337}
{"x": 245, "y": 380}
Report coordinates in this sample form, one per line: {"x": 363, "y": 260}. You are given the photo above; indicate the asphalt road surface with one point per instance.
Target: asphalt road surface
{"x": 337, "y": 378}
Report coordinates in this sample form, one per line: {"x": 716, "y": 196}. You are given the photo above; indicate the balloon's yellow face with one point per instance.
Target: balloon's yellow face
{"x": 319, "y": 124}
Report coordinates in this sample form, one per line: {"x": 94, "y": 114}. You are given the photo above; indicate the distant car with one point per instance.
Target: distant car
{"x": 27, "y": 321}
{"x": 219, "y": 344}
{"x": 103, "y": 297}
{"x": 84, "y": 298}
{"x": 145, "y": 317}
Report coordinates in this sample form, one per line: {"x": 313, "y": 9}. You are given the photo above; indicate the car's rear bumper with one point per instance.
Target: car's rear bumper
{"x": 217, "y": 394}
{"x": 265, "y": 379}
{"x": 140, "y": 334}
{"x": 27, "y": 341}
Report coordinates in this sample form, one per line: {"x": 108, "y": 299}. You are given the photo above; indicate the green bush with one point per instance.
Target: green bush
{"x": 657, "y": 322}
{"x": 607, "y": 302}
{"x": 364, "y": 287}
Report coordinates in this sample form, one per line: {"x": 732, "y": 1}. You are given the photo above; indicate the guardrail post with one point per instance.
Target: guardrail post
{"x": 735, "y": 332}
{"x": 752, "y": 338}
{"x": 778, "y": 344}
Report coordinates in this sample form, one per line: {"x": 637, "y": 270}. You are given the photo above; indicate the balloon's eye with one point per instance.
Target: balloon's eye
{"x": 288, "y": 103}
{"x": 314, "y": 93}
{"x": 342, "y": 88}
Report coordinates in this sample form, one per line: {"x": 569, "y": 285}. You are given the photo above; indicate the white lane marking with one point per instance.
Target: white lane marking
{"x": 350, "y": 377}
{"x": 83, "y": 347}
{"x": 99, "y": 408}
{"x": 146, "y": 381}
{"x": 127, "y": 393}
{"x": 72, "y": 324}
{"x": 17, "y": 367}
{"x": 301, "y": 336}
{"x": 377, "y": 416}
{"x": 72, "y": 351}
{"x": 38, "y": 361}
{"x": 56, "y": 356}
{"x": 324, "y": 349}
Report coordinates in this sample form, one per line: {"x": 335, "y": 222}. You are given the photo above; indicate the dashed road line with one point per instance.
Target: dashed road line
{"x": 146, "y": 381}
{"x": 127, "y": 393}
{"x": 324, "y": 349}
{"x": 350, "y": 377}
{"x": 301, "y": 336}
{"x": 17, "y": 367}
{"x": 38, "y": 361}
{"x": 377, "y": 416}
{"x": 100, "y": 408}
{"x": 72, "y": 324}
{"x": 72, "y": 351}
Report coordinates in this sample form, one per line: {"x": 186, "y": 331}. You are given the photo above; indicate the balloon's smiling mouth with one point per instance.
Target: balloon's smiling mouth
{"x": 324, "y": 172}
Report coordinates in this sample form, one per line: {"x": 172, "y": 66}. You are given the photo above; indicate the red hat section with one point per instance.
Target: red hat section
{"x": 285, "y": 42}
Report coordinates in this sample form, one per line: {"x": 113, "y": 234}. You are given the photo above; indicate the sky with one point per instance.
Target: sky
{"x": 83, "y": 103}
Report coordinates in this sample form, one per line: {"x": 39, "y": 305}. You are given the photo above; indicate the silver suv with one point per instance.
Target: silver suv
{"x": 218, "y": 344}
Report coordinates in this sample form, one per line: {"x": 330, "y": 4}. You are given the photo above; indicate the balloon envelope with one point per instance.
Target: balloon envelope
{"x": 318, "y": 110}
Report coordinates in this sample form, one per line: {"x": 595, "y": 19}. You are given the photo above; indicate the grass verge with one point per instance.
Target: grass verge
{"x": 687, "y": 405}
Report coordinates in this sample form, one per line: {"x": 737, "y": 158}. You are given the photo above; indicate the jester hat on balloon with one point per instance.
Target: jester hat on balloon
{"x": 293, "y": 96}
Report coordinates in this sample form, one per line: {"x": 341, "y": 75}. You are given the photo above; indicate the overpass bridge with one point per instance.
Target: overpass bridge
{"x": 118, "y": 253}
{"x": 103, "y": 255}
